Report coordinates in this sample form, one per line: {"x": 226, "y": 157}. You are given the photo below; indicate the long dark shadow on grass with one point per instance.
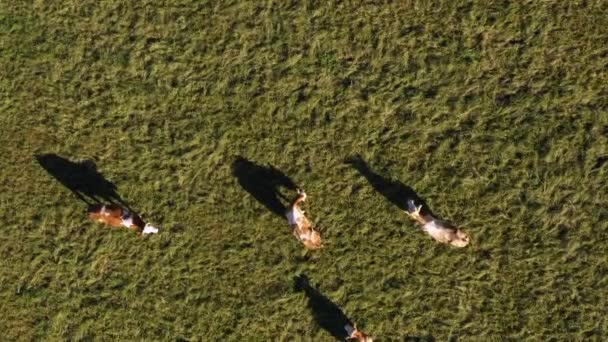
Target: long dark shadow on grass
{"x": 263, "y": 183}
{"x": 326, "y": 313}
{"x": 394, "y": 191}
{"x": 82, "y": 178}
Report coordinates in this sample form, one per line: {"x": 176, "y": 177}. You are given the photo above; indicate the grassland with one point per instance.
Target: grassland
{"x": 493, "y": 112}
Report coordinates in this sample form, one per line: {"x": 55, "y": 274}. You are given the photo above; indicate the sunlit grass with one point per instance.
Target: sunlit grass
{"x": 495, "y": 114}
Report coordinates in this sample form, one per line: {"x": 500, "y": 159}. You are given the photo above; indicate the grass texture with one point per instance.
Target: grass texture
{"x": 206, "y": 114}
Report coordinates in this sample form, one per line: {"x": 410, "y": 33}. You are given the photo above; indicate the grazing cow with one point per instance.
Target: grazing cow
{"x": 440, "y": 230}
{"x": 115, "y": 216}
{"x": 302, "y": 229}
{"x": 356, "y": 334}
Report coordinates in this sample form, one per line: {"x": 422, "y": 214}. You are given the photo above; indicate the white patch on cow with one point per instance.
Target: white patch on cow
{"x": 432, "y": 228}
{"x": 294, "y": 216}
{"x": 148, "y": 229}
{"x": 127, "y": 221}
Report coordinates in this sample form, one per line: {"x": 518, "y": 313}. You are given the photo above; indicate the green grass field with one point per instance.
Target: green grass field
{"x": 493, "y": 112}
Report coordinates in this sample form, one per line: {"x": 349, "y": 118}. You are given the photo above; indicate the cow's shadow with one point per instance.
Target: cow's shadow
{"x": 82, "y": 178}
{"x": 332, "y": 319}
{"x": 326, "y": 313}
{"x": 393, "y": 190}
{"x": 263, "y": 183}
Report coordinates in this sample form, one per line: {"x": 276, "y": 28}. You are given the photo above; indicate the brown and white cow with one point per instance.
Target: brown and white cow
{"x": 355, "y": 334}
{"x": 440, "y": 230}
{"x": 301, "y": 227}
{"x": 115, "y": 216}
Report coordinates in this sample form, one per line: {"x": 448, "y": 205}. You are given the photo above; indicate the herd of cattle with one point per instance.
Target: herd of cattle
{"x": 117, "y": 214}
{"x": 442, "y": 231}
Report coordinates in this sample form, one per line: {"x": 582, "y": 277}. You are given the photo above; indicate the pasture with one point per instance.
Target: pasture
{"x": 205, "y": 115}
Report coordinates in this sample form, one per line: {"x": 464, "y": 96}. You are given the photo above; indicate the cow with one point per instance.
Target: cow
{"x": 118, "y": 217}
{"x": 355, "y": 334}
{"x": 440, "y": 230}
{"x": 301, "y": 227}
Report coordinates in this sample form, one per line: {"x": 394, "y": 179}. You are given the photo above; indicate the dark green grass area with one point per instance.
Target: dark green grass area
{"x": 493, "y": 112}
